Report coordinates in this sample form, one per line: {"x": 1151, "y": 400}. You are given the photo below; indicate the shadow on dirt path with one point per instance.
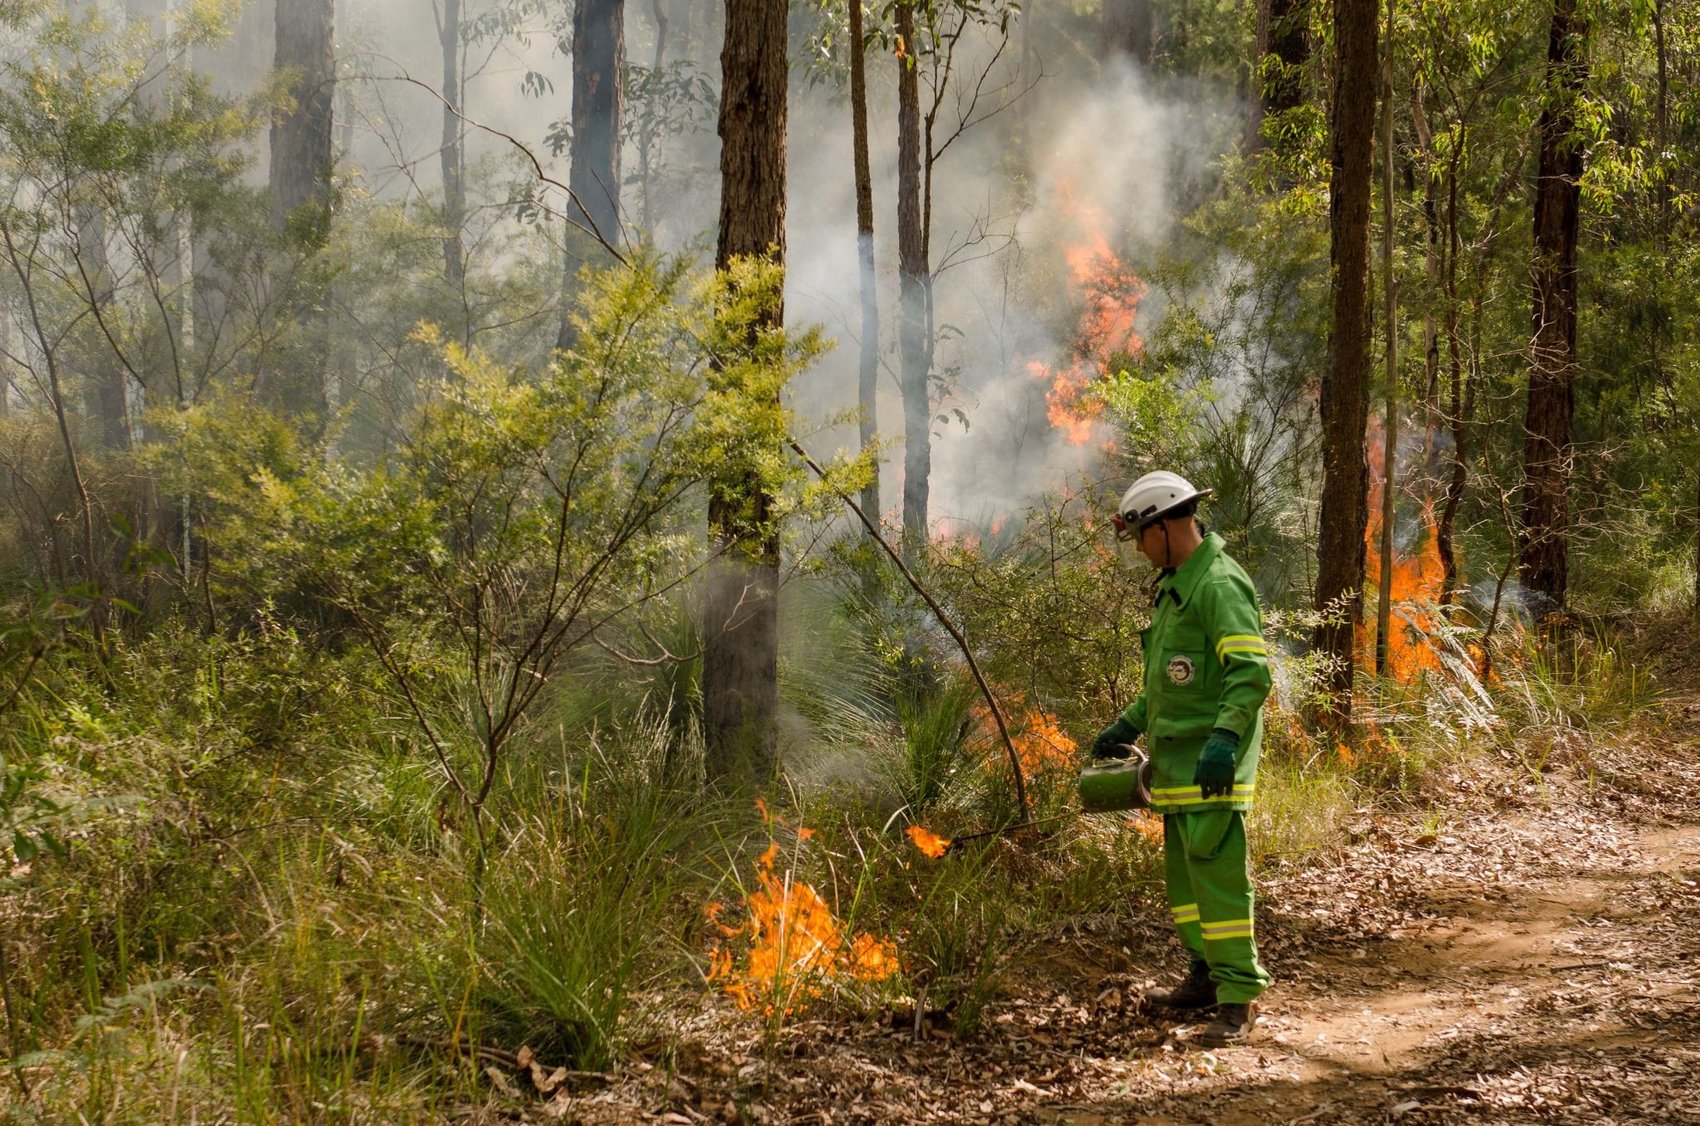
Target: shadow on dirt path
{"x": 1565, "y": 997}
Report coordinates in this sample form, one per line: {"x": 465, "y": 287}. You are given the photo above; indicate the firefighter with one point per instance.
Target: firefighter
{"x": 1206, "y": 676}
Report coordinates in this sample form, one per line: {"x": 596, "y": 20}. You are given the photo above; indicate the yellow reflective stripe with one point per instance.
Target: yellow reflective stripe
{"x": 1240, "y": 642}
{"x": 1246, "y": 786}
{"x": 1196, "y": 794}
{"x": 1224, "y": 936}
{"x": 1186, "y": 914}
{"x": 1227, "y": 928}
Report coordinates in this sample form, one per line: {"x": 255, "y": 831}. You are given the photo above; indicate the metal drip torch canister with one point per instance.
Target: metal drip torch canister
{"x": 1117, "y": 784}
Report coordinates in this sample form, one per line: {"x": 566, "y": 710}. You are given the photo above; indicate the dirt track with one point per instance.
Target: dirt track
{"x": 1533, "y": 957}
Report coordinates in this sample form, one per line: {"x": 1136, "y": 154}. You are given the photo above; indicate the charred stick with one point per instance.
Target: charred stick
{"x": 954, "y": 841}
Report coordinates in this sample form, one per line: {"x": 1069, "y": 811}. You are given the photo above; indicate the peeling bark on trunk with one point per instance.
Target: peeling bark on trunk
{"x": 869, "y": 359}
{"x": 912, "y": 331}
{"x": 1544, "y": 564}
{"x": 1345, "y": 387}
{"x": 740, "y": 689}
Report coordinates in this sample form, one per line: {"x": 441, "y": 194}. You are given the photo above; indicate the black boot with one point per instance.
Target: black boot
{"x": 1232, "y": 1025}
{"x": 1196, "y": 991}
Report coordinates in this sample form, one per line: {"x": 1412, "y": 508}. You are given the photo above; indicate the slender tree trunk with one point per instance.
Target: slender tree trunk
{"x": 106, "y": 379}
{"x": 1431, "y": 256}
{"x": 740, "y": 688}
{"x": 912, "y": 342}
{"x": 1456, "y": 409}
{"x": 454, "y": 186}
{"x": 599, "y": 60}
{"x": 1345, "y": 387}
{"x": 1283, "y": 48}
{"x": 649, "y": 137}
{"x": 1390, "y": 425}
{"x": 869, "y": 359}
{"x": 1661, "y": 129}
{"x": 1544, "y": 563}
{"x": 301, "y": 192}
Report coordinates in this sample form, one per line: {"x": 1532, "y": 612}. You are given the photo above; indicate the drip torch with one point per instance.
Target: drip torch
{"x": 1112, "y": 785}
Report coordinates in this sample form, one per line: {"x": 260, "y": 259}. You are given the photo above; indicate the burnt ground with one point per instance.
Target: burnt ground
{"x": 1529, "y": 954}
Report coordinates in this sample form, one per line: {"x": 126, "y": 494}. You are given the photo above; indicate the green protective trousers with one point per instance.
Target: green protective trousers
{"x": 1209, "y": 877}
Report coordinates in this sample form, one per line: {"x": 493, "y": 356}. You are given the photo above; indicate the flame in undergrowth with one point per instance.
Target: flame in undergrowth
{"x": 796, "y": 947}
{"x": 930, "y": 843}
{"x": 1041, "y": 746}
{"x": 1111, "y": 293}
{"x": 1419, "y": 582}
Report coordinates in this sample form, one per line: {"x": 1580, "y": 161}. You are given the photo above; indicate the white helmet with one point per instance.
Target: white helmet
{"x": 1150, "y": 498}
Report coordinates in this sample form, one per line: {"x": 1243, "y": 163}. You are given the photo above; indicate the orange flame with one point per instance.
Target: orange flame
{"x": 931, "y": 844}
{"x": 1111, "y": 293}
{"x": 797, "y": 947}
{"x": 1418, "y": 582}
{"x": 1041, "y": 746}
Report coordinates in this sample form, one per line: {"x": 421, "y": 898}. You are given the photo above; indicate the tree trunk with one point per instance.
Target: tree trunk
{"x": 740, "y": 687}
{"x": 1552, "y": 361}
{"x": 1390, "y": 426}
{"x": 454, "y": 186}
{"x": 912, "y": 340}
{"x": 301, "y": 193}
{"x": 1345, "y": 386}
{"x": 868, "y": 371}
{"x": 105, "y": 376}
{"x": 1457, "y": 410}
{"x": 1283, "y": 48}
{"x": 649, "y": 137}
{"x": 593, "y": 212}
{"x": 1130, "y": 28}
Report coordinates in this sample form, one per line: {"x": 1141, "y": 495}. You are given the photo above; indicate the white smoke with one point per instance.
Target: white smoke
{"x": 1003, "y": 298}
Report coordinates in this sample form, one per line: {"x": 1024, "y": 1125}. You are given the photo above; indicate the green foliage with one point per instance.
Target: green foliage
{"x": 582, "y": 919}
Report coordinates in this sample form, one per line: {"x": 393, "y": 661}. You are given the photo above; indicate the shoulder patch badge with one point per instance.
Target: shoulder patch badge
{"x": 1180, "y": 670}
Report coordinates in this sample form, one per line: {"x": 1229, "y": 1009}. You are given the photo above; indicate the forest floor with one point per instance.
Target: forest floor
{"x": 1528, "y": 950}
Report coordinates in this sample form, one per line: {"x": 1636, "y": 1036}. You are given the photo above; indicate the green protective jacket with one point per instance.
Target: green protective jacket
{"x": 1206, "y": 666}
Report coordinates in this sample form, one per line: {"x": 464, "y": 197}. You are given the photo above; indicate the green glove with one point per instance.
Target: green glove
{"x": 1215, "y": 772}
{"x": 1110, "y": 741}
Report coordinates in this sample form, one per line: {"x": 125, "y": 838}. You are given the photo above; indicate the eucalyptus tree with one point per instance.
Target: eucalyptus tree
{"x": 867, "y": 371}
{"x": 1345, "y": 387}
{"x": 452, "y": 153}
{"x": 1547, "y": 450}
{"x": 302, "y": 196}
{"x": 598, "y": 107}
{"x": 740, "y": 672}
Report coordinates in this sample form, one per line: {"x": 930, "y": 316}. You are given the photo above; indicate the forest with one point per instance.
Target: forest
{"x": 562, "y": 560}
